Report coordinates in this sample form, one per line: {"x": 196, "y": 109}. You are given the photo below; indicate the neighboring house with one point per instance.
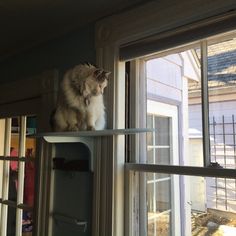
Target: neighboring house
{"x": 220, "y": 193}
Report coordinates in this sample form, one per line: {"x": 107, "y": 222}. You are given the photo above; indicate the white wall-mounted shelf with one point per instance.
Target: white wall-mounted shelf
{"x": 80, "y": 136}
{"x": 87, "y": 137}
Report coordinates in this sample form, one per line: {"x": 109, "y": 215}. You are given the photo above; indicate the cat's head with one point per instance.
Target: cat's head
{"x": 89, "y": 80}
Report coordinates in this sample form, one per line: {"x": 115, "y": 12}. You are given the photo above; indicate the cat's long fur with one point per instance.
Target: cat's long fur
{"x": 80, "y": 103}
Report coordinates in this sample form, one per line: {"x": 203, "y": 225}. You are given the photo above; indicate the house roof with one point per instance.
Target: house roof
{"x": 221, "y": 65}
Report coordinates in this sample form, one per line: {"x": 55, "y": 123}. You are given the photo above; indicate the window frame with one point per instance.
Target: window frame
{"x": 111, "y": 34}
{"x": 206, "y": 170}
{"x": 21, "y": 159}
{"x": 37, "y": 96}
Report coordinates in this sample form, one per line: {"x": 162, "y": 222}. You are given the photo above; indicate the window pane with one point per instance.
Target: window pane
{"x": 222, "y": 101}
{"x": 174, "y": 108}
{"x": 15, "y": 129}
{"x": 198, "y": 206}
{"x": 29, "y": 183}
{"x": 158, "y": 205}
{"x": 13, "y": 181}
{"x": 13, "y": 176}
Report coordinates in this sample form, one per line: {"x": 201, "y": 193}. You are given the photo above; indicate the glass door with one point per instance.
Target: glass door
{"x": 163, "y": 197}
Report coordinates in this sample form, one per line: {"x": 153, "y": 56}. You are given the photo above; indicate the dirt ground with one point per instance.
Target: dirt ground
{"x": 213, "y": 223}
{"x": 209, "y": 224}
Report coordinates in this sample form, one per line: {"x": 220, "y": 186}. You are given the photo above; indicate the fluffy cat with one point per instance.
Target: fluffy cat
{"x": 80, "y": 102}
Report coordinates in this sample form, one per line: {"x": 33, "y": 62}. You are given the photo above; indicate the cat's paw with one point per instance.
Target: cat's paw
{"x": 72, "y": 128}
{"x": 90, "y": 128}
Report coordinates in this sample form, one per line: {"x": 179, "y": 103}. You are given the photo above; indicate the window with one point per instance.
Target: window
{"x": 24, "y": 200}
{"x": 189, "y": 95}
{"x": 132, "y": 35}
{"x": 17, "y": 163}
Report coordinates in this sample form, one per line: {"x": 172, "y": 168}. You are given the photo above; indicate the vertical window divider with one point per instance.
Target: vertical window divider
{"x": 205, "y": 105}
{"x": 21, "y": 173}
{"x": 6, "y": 173}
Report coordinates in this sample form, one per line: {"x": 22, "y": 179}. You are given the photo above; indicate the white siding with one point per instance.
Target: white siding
{"x": 220, "y": 193}
{"x": 219, "y": 109}
{"x": 164, "y": 77}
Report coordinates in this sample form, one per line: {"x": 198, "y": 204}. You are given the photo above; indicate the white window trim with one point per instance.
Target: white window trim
{"x": 34, "y": 96}
{"x": 111, "y": 33}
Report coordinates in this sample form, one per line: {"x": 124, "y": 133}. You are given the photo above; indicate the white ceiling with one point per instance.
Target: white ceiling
{"x": 25, "y": 23}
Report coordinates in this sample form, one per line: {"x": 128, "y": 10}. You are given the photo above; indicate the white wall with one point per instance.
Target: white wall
{"x": 227, "y": 109}
{"x": 165, "y": 77}
{"x": 224, "y": 187}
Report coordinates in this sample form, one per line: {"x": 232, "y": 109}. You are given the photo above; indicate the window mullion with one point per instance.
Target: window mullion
{"x": 21, "y": 171}
{"x": 205, "y": 105}
{"x": 6, "y": 172}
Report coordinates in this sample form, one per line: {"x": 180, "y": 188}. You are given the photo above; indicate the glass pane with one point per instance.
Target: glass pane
{"x": 162, "y": 136}
{"x": 175, "y": 79}
{"x": 29, "y": 183}
{"x": 158, "y": 143}
{"x": 27, "y": 223}
{"x": 11, "y": 221}
{"x": 29, "y": 180}
{"x": 30, "y": 129}
{"x": 13, "y": 181}
{"x": 158, "y": 206}
{"x": 186, "y": 205}
{"x": 159, "y": 196}
{"x": 31, "y": 123}
{"x": 13, "y": 177}
{"x": 222, "y": 100}
{"x": 15, "y": 128}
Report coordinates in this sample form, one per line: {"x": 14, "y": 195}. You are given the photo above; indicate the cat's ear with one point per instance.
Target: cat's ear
{"x": 97, "y": 73}
{"x": 107, "y": 73}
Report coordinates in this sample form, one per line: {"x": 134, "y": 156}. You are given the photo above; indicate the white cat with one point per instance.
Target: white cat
{"x": 80, "y": 103}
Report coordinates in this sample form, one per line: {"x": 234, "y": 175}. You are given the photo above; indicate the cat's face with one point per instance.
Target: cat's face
{"x": 94, "y": 87}
{"x": 97, "y": 82}
{"x": 89, "y": 80}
